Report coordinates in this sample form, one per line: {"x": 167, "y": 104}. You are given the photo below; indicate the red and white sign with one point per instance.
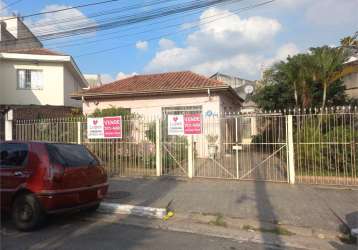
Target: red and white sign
{"x": 175, "y": 125}
{"x": 188, "y": 124}
{"x": 192, "y": 124}
{"x": 104, "y": 127}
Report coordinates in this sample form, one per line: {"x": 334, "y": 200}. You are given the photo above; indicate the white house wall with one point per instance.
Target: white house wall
{"x": 152, "y": 106}
{"x": 71, "y": 85}
{"x": 51, "y": 94}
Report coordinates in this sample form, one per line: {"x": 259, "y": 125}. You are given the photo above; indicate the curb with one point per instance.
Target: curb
{"x": 115, "y": 208}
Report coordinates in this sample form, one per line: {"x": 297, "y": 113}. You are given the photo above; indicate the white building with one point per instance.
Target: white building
{"x": 31, "y": 74}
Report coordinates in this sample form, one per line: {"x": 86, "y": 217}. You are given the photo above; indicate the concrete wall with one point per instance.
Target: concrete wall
{"x": 351, "y": 83}
{"x": 71, "y": 85}
{"x": 18, "y": 30}
{"x": 152, "y": 106}
{"x": 51, "y": 94}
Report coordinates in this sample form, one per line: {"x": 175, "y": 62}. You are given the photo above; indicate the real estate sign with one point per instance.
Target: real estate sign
{"x": 175, "y": 125}
{"x": 104, "y": 127}
{"x": 187, "y": 124}
{"x": 192, "y": 124}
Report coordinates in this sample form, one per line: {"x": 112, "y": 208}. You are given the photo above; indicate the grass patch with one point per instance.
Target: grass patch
{"x": 219, "y": 221}
{"x": 276, "y": 230}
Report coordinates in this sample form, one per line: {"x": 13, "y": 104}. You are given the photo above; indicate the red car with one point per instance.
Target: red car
{"x": 39, "y": 178}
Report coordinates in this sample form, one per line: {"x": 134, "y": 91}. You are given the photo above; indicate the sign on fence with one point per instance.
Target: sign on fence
{"x": 192, "y": 124}
{"x": 175, "y": 125}
{"x": 187, "y": 124}
{"x": 104, "y": 127}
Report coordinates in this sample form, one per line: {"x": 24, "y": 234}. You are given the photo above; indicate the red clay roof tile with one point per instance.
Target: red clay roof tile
{"x": 158, "y": 82}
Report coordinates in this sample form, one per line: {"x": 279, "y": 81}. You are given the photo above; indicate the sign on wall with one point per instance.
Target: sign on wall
{"x": 175, "y": 125}
{"x": 192, "y": 124}
{"x": 104, "y": 127}
{"x": 188, "y": 124}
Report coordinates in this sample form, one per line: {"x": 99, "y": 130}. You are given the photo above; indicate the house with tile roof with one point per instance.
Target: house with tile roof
{"x": 31, "y": 74}
{"x": 35, "y": 82}
{"x": 165, "y": 93}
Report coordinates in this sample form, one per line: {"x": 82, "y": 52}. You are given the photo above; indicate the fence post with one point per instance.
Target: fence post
{"x": 79, "y": 132}
{"x": 290, "y": 150}
{"x": 158, "y": 149}
{"x": 8, "y": 125}
{"x": 190, "y": 156}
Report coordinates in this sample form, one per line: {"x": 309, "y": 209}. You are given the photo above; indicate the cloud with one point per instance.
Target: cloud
{"x": 106, "y": 78}
{"x": 165, "y": 44}
{"x": 332, "y": 12}
{"x": 59, "y": 21}
{"x": 122, "y": 75}
{"x": 142, "y": 45}
{"x": 232, "y": 45}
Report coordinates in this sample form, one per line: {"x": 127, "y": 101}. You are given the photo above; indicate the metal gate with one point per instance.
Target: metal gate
{"x": 174, "y": 152}
{"x": 243, "y": 147}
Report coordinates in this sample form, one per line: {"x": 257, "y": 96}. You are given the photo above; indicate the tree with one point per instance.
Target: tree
{"x": 327, "y": 62}
{"x": 112, "y": 111}
{"x": 304, "y": 80}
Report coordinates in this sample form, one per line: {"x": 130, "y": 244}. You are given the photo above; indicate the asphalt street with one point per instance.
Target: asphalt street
{"x": 78, "y": 232}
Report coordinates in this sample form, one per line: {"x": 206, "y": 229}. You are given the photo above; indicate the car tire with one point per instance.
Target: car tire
{"x": 27, "y": 212}
{"x": 93, "y": 208}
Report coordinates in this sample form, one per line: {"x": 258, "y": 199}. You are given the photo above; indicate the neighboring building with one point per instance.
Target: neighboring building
{"x": 39, "y": 77}
{"x": 94, "y": 80}
{"x": 14, "y": 34}
{"x": 156, "y": 94}
{"x": 34, "y": 82}
{"x": 351, "y": 80}
{"x": 244, "y": 88}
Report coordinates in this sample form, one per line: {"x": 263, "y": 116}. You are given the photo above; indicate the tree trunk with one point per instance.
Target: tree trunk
{"x": 324, "y": 99}
{"x": 296, "y": 95}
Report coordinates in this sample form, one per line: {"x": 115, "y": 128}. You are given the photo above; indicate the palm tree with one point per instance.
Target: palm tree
{"x": 327, "y": 62}
{"x": 350, "y": 40}
{"x": 296, "y": 72}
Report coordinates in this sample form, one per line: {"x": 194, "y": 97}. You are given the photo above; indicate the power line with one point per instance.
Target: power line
{"x": 64, "y": 9}
{"x": 10, "y": 4}
{"x": 180, "y": 31}
{"x": 71, "y": 43}
{"x": 72, "y": 19}
{"x": 130, "y": 19}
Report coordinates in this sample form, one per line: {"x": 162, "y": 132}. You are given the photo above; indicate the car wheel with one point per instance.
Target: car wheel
{"x": 93, "y": 208}
{"x": 27, "y": 212}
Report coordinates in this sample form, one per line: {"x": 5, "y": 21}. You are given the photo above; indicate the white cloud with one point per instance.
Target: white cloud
{"x": 106, "y": 78}
{"x": 59, "y": 21}
{"x": 332, "y": 12}
{"x": 165, "y": 44}
{"x": 142, "y": 45}
{"x": 122, "y": 75}
{"x": 232, "y": 45}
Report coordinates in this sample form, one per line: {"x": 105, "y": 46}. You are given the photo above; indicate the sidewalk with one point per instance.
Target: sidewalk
{"x": 312, "y": 207}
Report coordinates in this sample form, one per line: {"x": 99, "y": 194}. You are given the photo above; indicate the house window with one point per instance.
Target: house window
{"x": 29, "y": 79}
{"x": 179, "y": 110}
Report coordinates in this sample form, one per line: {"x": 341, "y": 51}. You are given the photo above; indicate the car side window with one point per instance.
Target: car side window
{"x": 13, "y": 154}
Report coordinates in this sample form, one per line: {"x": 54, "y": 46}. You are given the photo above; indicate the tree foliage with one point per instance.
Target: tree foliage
{"x": 304, "y": 80}
{"x": 112, "y": 111}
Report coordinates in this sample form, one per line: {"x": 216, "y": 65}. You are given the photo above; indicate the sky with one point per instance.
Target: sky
{"x": 225, "y": 38}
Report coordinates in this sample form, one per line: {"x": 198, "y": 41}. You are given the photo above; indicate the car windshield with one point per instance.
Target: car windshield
{"x": 71, "y": 155}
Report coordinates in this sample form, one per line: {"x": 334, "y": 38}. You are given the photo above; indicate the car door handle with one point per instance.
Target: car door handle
{"x": 18, "y": 173}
